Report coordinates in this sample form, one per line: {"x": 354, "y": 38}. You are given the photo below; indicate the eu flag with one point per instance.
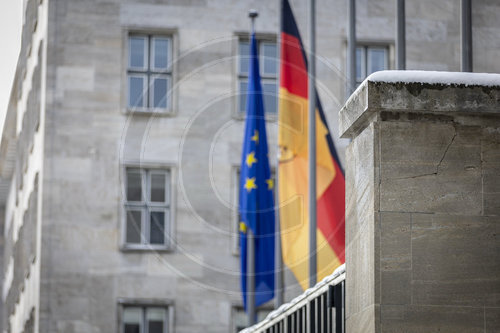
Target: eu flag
{"x": 256, "y": 204}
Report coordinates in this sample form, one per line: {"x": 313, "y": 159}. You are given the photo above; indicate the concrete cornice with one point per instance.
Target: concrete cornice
{"x": 404, "y": 93}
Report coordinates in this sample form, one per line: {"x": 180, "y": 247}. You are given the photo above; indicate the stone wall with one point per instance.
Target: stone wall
{"x": 422, "y": 210}
{"x": 85, "y": 137}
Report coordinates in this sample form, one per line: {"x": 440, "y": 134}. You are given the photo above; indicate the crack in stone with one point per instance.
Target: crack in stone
{"x": 439, "y": 163}
{"x": 446, "y": 151}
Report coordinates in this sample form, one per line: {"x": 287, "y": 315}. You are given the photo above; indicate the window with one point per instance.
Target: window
{"x": 236, "y": 214}
{"x": 240, "y": 318}
{"x": 268, "y": 64}
{"x": 147, "y": 207}
{"x": 370, "y": 59}
{"x": 142, "y": 319}
{"x": 149, "y": 73}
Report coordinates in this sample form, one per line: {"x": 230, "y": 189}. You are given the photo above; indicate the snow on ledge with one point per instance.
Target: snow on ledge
{"x": 434, "y": 77}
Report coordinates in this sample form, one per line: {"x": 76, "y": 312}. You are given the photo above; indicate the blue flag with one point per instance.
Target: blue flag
{"x": 256, "y": 204}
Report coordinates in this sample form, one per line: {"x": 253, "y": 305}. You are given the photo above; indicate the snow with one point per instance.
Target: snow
{"x": 284, "y": 307}
{"x": 435, "y": 77}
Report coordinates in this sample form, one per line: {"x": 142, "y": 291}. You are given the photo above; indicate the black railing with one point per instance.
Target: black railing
{"x": 318, "y": 310}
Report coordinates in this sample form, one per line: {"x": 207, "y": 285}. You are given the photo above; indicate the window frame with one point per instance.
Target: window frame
{"x": 365, "y": 46}
{"x": 171, "y": 70}
{"x": 144, "y": 304}
{"x": 262, "y": 38}
{"x": 146, "y": 206}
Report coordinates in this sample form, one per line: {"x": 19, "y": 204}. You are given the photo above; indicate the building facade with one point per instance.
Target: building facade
{"x": 121, "y": 147}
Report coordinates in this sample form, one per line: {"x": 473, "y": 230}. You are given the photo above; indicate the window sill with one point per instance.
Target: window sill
{"x": 146, "y": 248}
{"x": 150, "y": 112}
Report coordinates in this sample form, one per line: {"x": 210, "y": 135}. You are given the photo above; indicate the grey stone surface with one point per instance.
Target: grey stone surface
{"x": 88, "y": 137}
{"x": 418, "y": 318}
{"x": 430, "y": 238}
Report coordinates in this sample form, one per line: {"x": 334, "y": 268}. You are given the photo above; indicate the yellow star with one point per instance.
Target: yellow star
{"x": 270, "y": 183}
{"x": 250, "y": 184}
{"x": 251, "y": 159}
{"x": 255, "y": 137}
{"x": 243, "y": 227}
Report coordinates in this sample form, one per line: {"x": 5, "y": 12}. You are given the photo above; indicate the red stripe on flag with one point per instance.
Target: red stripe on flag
{"x": 293, "y": 74}
{"x": 331, "y": 216}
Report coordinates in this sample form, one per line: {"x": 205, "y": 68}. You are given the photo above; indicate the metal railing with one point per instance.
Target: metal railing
{"x": 320, "y": 309}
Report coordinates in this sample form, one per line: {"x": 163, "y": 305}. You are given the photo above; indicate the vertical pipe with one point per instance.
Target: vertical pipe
{"x": 466, "y": 36}
{"x": 351, "y": 45}
{"x": 251, "y": 277}
{"x": 312, "y": 144}
{"x": 278, "y": 259}
{"x": 251, "y": 242}
{"x": 400, "y": 35}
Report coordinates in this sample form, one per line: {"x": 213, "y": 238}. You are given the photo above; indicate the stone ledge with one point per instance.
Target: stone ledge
{"x": 419, "y": 92}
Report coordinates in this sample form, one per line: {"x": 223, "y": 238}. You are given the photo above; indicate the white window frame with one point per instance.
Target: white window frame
{"x": 145, "y": 66}
{"x": 144, "y": 304}
{"x": 243, "y": 77}
{"x": 365, "y": 47}
{"x": 169, "y": 53}
{"x": 146, "y": 206}
{"x": 168, "y": 93}
{"x": 144, "y": 87}
{"x": 149, "y": 72}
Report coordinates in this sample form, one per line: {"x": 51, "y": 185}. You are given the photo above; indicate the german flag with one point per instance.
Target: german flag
{"x": 293, "y": 167}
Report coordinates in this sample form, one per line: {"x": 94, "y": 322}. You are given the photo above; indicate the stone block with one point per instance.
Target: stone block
{"x": 395, "y": 241}
{"x": 429, "y": 167}
{"x": 363, "y": 321}
{"x": 455, "y": 260}
{"x": 421, "y": 200}
{"x": 432, "y": 319}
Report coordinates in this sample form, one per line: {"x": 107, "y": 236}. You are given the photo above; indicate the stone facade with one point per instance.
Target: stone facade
{"x": 422, "y": 209}
{"x": 68, "y": 137}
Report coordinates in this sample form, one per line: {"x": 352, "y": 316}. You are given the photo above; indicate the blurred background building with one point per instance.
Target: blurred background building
{"x": 120, "y": 152}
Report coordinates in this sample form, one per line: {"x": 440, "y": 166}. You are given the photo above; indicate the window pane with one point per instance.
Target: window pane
{"x": 160, "y": 53}
{"x": 157, "y": 228}
{"x": 159, "y": 92}
{"x": 244, "y": 53}
{"x": 133, "y": 234}
{"x": 155, "y": 318}
{"x": 359, "y": 64}
{"x": 134, "y": 185}
{"x": 137, "y": 56}
{"x": 243, "y": 96}
{"x": 376, "y": 60}
{"x": 270, "y": 97}
{"x": 132, "y": 318}
{"x": 269, "y": 52}
{"x": 136, "y": 91}
{"x": 158, "y": 187}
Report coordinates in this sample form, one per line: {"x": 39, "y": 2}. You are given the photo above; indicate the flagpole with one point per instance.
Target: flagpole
{"x": 278, "y": 259}
{"x": 312, "y": 144}
{"x": 252, "y": 318}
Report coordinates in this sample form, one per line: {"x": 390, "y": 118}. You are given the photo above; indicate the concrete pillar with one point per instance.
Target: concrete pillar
{"x": 423, "y": 203}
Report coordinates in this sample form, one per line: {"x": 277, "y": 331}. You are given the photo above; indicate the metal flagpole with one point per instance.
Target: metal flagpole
{"x": 251, "y": 242}
{"x": 312, "y": 144}
{"x": 466, "y": 36}
{"x": 251, "y": 277}
{"x": 400, "y": 35}
{"x": 278, "y": 259}
{"x": 351, "y": 45}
